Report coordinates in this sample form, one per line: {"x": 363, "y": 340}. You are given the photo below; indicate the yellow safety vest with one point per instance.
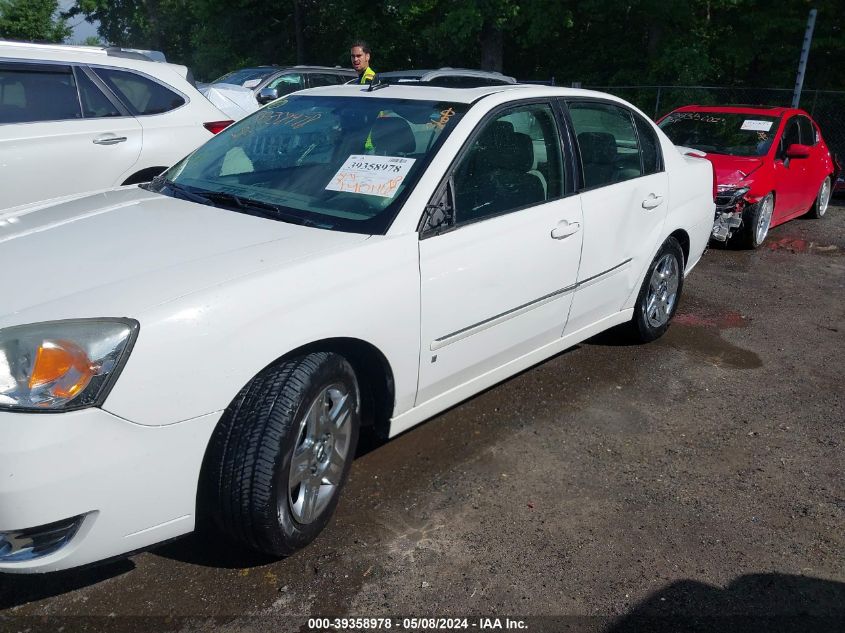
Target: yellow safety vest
{"x": 367, "y": 76}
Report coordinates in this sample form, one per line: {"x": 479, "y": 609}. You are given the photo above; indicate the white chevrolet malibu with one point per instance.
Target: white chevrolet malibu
{"x": 208, "y": 345}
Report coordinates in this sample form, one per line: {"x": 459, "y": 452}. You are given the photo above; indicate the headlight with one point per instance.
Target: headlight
{"x": 62, "y": 365}
{"x": 732, "y": 190}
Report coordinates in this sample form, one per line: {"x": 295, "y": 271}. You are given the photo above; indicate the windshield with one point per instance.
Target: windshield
{"x": 238, "y": 77}
{"x": 722, "y": 132}
{"x": 344, "y": 163}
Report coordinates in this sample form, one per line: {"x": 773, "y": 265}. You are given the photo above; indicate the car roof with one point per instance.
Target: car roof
{"x": 97, "y": 55}
{"x": 427, "y": 75}
{"x": 425, "y": 92}
{"x": 274, "y": 69}
{"x": 742, "y": 109}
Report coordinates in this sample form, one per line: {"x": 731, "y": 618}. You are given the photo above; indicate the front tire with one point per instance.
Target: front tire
{"x": 756, "y": 219}
{"x": 659, "y": 294}
{"x": 822, "y": 200}
{"x": 282, "y": 453}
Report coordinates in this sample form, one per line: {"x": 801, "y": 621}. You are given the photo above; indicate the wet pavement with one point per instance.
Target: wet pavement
{"x": 692, "y": 484}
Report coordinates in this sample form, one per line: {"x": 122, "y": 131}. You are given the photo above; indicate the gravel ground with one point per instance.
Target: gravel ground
{"x": 693, "y": 484}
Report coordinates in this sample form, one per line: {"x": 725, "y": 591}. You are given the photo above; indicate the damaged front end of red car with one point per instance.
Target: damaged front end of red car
{"x": 730, "y": 206}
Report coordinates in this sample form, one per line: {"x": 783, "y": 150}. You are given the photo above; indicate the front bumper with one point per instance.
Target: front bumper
{"x": 123, "y": 486}
{"x": 730, "y": 209}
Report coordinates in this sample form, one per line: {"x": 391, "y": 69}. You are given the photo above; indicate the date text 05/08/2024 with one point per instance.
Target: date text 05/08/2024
{"x": 415, "y": 624}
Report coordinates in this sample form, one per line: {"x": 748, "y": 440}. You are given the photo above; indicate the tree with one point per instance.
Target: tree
{"x": 32, "y": 20}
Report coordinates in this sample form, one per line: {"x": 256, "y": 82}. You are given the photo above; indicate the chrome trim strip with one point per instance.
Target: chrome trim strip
{"x": 526, "y": 307}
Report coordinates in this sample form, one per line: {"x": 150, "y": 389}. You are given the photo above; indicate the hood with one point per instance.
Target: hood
{"x": 118, "y": 252}
{"x": 731, "y": 170}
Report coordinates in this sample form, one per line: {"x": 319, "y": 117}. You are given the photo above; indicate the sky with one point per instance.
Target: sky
{"x": 81, "y": 28}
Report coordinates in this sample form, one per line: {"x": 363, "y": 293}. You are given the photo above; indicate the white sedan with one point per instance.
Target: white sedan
{"x": 206, "y": 347}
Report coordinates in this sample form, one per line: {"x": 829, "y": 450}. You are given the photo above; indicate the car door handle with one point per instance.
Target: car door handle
{"x": 109, "y": 139}
{"x": 652, "y": 201}
{"x": 565, "y": 229}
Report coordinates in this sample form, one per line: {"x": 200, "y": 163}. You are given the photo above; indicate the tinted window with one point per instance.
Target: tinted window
{"x": 95, "y": 104}
{"x": 649, "y": 146}
{"x": 325, "y": 79}
{"x": 141, "y": 95}
{"x": 807, "y": 131}
{"x": 791, "y": 134}
{"x": 515, "y": 161}
{"x": 607, "y": 142}
{"x": 286, "y": 84}
{"x": 30, "y": 93}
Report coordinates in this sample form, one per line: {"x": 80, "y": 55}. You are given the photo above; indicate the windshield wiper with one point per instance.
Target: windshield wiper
{"x": 249, "y": 205}
{"x": 159, "y": 183}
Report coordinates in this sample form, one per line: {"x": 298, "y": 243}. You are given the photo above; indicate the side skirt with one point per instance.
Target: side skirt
{"x": 460, "y": 393}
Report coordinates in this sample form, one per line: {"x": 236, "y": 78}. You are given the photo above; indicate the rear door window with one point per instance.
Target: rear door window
{"x": 649, "y": 146}
{"x": 95, "y": 104}
{"x": 607, "y": 141}
{"x": 141, "y": 95}
{"x": 34, "y": 92}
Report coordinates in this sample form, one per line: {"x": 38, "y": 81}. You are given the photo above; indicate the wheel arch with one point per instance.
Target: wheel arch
{"x": 374, "y": 373}
{"x": 375, "y": 378}
{"x": 683, "y": 239}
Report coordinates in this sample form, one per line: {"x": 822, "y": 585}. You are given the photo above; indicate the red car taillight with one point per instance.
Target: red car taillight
{"x": 217, "y": 126}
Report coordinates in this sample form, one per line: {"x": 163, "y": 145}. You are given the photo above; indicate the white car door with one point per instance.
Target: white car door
{"x": 59, "y": 134}
{"x": 172, "y": 124}
{"x": 498, "y": 283}
{"x": 624, "y": 199}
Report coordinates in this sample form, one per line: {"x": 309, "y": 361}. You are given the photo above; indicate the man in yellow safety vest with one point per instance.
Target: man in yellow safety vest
{"x": 360, "y": 54}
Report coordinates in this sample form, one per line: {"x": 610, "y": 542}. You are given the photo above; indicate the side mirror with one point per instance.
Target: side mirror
{"x": 796, "y": 150}
{"x": 266, "y": 95}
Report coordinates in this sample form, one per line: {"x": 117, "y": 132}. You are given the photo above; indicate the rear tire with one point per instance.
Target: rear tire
{"x": 659, "y": 294}
{"x": 282, "y": 453}
{"x": 757, "y": 219}
{"x": 822, "y": 200}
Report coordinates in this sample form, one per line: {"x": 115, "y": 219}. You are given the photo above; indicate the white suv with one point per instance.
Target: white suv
{"x": 75, "y": 119}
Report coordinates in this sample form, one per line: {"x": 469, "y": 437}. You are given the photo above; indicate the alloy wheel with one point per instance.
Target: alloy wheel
{"x": 320, "y": 454}
{"x": 662, "y": 291}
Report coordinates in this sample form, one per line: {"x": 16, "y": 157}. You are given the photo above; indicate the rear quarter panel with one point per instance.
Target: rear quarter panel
{"x": 691, "y": 206}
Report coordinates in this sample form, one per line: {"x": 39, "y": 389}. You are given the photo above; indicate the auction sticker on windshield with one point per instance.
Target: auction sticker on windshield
{"x": 758, "y": 126}
{"x": 371, "y": 175}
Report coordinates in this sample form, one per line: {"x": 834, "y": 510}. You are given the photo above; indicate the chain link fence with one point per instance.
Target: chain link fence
{"x": 827, "y": 107}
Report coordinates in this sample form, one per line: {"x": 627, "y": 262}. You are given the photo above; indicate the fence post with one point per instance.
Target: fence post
{"x": 657, "y": 104}
{"x": 805, "y": 52}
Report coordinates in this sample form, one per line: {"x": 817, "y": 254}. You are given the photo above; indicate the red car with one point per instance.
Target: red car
{"x": 771, "y": 165}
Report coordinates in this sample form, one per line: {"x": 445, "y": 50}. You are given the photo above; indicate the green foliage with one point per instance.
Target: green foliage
{"x": 32, "y": 20}
{"x": 598, "y": 42}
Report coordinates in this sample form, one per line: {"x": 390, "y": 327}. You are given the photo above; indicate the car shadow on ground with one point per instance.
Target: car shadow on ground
{"x": 16, "y": 589}
{"x": 770, "y": 603}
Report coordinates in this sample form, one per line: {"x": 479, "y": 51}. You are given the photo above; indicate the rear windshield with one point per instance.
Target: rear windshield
{"x": 343, "y": 163}
{"x": 238, "y": 77}
{"x": 721, "y": 132}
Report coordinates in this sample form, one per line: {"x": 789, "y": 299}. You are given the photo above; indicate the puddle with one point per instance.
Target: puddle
{"x": 798, "y": 245}
{"x": 698, "y": 333}
{"x": 709, "y": 346}
{"x": 721, "y": 321}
